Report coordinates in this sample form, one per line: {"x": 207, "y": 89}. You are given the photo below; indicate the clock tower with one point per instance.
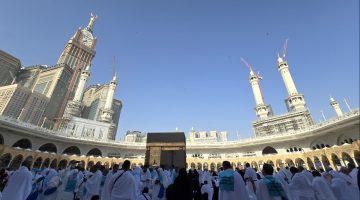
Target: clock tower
{"x": 80, "y": 50}
{"x": 78, "y": 54}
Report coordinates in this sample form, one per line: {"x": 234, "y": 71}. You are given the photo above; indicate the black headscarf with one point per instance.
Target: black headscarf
{"x": 181, "y": 189}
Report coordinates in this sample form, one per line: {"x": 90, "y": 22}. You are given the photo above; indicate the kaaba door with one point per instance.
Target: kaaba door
{"x": 173, "y": 157}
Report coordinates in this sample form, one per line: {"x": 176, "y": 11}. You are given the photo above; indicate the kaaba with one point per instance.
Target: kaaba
{"x": 166, "y": 149}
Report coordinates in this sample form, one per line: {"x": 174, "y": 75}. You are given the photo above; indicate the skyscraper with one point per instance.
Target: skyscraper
{"x": 78, "y": 54}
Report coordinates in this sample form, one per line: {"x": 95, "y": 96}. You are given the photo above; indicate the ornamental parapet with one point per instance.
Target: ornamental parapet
{"x": 317, "y": 129}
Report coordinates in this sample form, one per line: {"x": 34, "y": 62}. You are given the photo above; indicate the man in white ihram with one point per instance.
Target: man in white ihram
{"x": 206, "y": 188}
{"x": 270, "y": 188}
{"x": 322, "y": 188}
{"x": 250, "y": 179}
{"x": 343, "y": 186}
{"x": 122, "y": 184}
{"x": 231, "y": 184}
{"x": 19, "y": 185}
{"x": 301, "y": 186}
{"x": 206, "y": 176}
{"x": 92, "y": 185}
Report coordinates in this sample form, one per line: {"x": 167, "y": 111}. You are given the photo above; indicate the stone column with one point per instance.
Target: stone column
{"x": 356, "y": 164}
{"x": 342, "y": 162}
{"x": 322, "y": 165}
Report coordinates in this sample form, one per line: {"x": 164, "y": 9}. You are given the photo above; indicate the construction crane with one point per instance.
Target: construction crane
{"x": 247, "y": 64}
{"x": 285, "y": 48}
{"x": 250, "y": 68}
{"x": 113, "y": 67}
{"x": 257, "y": 75}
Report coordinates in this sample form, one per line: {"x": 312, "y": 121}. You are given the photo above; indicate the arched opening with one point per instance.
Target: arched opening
{"x": 212, "y": 166}
{"x": 73, "y": 150}
{"x": 344, "y": 139}
{"x": 192, "y": 165}
{"x": 270, "y": 162}
{"x": 206, "y": 166}
{"x": 106, "y": 164}
{"x": 336, "y": 161}
{"x": 23, "y": 143}
{"x": 347, "y": 158}
{"x": 254, "y": 164}
{"x": 90, "y": 164}
{"x": 239, "y": 165}
{"x": 82, "y": 163}
{"x": 199, "y": 166}
{"x": 94, "y": 152}
{"x": 310, "y": 163}
{"x": 218, "y": 165}
{"x": 49, "y": 147}
{"x": 5, "y": 160}
{"x": 99, "y": 163}
{"x": 260, "y": 165}
{"x": 233, "y": 165}
{"x": 325, "y": 161}
{"x": 46, "y": 163}
{"x": 16, "y": 162}
{"x": 289, "y": 162}
{"x": 299, "y": 162}
{"x": 1, "y": 139}
{"x": 37, "y": 163}
{"x": 29, "y": 159}
{"x": 279, "y": 163}
{"x": 269, "y": 150}
{"x": 62, "y": 164}
{"x": 317, "y": 144}
{"x": 73, "y": 162}
{"x": 53, "y": 164}
{"x": 317, "y": 163}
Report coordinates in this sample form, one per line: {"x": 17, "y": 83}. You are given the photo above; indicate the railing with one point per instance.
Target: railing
{"x": 61, "y": 134}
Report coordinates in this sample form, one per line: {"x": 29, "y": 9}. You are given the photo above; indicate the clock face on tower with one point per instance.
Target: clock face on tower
{"x": 87, "y": 38}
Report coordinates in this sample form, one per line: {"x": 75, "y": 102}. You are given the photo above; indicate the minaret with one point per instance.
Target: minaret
{"x": 110, "y": 94}
{"x": 74, "y": 106}
{"x": 295, "y": 100}
{"x": 336, "y": 107}
{"x": 106, "y": 111}
{"x": 192, "y": 134}
{"x": 84, "y": 77}
{"x": 262, "y": 110}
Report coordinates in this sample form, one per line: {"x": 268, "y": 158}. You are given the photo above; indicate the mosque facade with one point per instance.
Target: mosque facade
{"x": 50, "y": 117}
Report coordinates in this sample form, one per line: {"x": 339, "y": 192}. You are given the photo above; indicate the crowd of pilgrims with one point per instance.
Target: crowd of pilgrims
{"x": 160, "y": 183}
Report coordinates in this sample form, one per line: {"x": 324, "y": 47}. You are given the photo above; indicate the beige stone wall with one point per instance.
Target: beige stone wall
{"x": 333, "y": 157}
{"x": 55, "y": 160}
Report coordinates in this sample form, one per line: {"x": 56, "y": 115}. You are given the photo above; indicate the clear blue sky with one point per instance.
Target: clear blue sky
{"x": 179, "y": 61}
